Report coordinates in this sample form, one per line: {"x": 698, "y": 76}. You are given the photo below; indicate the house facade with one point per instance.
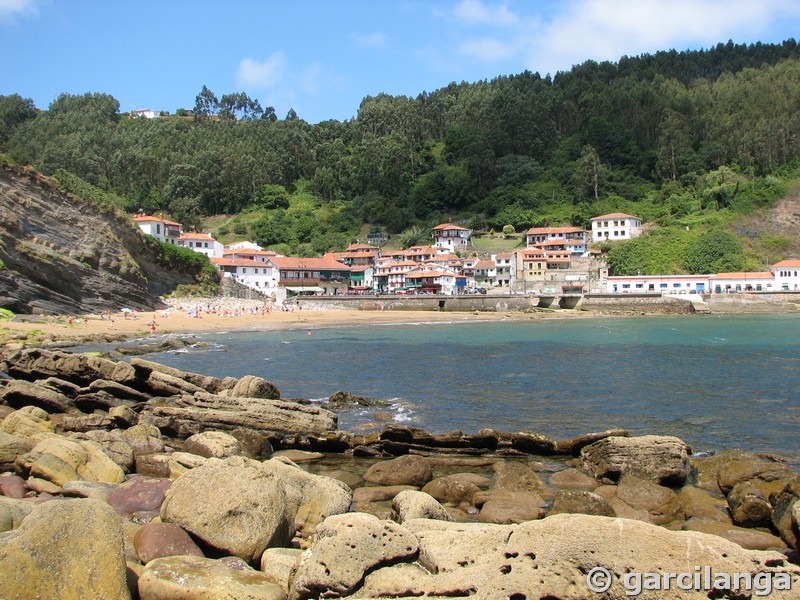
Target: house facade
{"x": 451, "y": 238}
{"x": 726, "y": 283}
{"x": 160, "y": 228}
{"x": 787, "y": 275}
{"x": 573, "y": 238}
{"x": 202, "y": 243}
{"x": 663, "y": 284}
{"x": 615, "y": 226}
{"x": 311, "y": 275}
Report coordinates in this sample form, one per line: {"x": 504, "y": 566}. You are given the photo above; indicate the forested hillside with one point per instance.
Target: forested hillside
{"x": 692, "y": 142}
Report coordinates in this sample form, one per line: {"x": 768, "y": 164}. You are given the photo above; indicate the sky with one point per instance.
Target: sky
{"x": 323, "y": 57}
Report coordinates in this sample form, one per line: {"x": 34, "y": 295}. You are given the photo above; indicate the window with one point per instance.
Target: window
{"x": 663, "y": 285}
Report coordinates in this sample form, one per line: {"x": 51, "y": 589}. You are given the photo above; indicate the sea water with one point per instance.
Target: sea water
{"x": 714, "y": 381}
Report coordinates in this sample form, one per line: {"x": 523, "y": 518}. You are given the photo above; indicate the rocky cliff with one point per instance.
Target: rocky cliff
{"x": 62, "y": 255}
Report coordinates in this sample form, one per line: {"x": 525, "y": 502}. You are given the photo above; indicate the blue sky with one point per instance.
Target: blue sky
{"x": 322, "y": 57}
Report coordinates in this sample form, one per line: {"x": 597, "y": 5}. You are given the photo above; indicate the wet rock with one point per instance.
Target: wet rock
{"x": 410, "y": 504}
{"x": 580, "y": 502}
{"x": 748, "y": 506}
{"x": 251, "y": 386}
{"x": 451, "y": 491}
{"x": 379, "y": 493}
{"x": 662, "y": 459}
{"x": 752, "y": 539}
{"x": 12, "y": 486}
{"x": 660, "y": 502}
{"x": 403, "y": 470}
{"x": 196, "y": 578}
{"x": 573, "y": 479}
{"x": 138, "y": 495}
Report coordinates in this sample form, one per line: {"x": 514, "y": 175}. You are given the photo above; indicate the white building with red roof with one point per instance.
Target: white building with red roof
{"x": 202, "y": 243}
{"x": 258, "y": 275}
{"x": 312, "y": 275}
{"x": 787, "y": 275}
{"x": 256, "y": 255}
{"x": 451, "y": 238}
{"x": 158, "y": 227}
{"x": 574, "y": 237}
{"x": 615, "y": 226}
{"x": 760, "y": 281}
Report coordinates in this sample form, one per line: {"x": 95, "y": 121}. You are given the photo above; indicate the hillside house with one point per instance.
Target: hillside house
{"x": 202, "y": 243}
{"x": 451, "y": 238}
{"x": 160, "y": 228}
{"x": 357, "y": 254}
{"x": 242, "y": 245}
{"x": 572, "y": 238}
{"x": 256, "y": 275}
{"x": 787, "y": 275}
{"x": 256, "y": 255}
{"x": 615, "y": 226}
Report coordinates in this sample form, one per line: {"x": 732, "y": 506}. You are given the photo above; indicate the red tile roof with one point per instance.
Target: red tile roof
{"x": 449, "y": 226}
{"x": 305, "y": 264}
{"x": 616, "y": 216}
{"x": 787, "y": 264}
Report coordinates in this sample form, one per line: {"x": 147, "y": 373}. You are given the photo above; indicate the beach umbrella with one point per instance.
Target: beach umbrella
{"x": 126, "y": 310}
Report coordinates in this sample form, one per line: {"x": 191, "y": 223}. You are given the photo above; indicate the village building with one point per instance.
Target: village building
{"x": 451, "y": 238}
{"x": 311, "y": 275}
{"x": 362, "y": 279}
{"x": 202, "y": 243}
{"x": 657, "y": 284}
{"x": 357, "y": 254}
{"x": 435, "y": 281}
{"x": 260, "y": 276}
{"x": 391, "y": 276}
{"x": 726, "y": 283}
{"x": 256, "y": 255}
{"x": 573, "y": 239}
{"x": 242, "y": 245}
{"x": 615, "y": 226}
{"x": 160, "y": 228}
{"x": 787, "y": 275}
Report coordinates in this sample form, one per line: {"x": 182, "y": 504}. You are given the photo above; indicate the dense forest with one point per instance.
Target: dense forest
{"x": 688, "y": 141}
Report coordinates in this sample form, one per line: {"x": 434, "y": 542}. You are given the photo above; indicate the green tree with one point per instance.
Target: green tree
{"x": 206, "y": 104}
{"x": 717, "y": 251}
{"x": 14, "y": 110}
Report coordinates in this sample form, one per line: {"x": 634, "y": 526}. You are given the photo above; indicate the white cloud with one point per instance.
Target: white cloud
{"x": 476, "y": 12}
{"x": 609, "y": 29}
{"x": 488, "y": 49}
{"x": 11, "y": 9}
{"x": 253, "y": 73}
{"x": 375, "y": 39}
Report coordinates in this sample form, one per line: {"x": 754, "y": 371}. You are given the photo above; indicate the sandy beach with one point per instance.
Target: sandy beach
{"x": 184, "y": 318}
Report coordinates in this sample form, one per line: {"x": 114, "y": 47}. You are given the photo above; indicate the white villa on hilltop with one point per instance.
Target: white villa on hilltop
{"x": 451, "y": 238}
{"x": 615, "y": 226}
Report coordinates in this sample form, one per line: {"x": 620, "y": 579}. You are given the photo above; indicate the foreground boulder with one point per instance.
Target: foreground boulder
{"x": 232, "y": 505}
{"x": 197, "y": 578}
{"x": 551, "y": 558}
{"x": 659, "y": 458}
{"x": 59, "y": 460}
{"x": 66, "y": 549}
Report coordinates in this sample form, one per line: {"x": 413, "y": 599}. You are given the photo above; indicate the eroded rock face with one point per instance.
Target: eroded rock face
{"x": 213, "y": 444}
{"x": 66, "y": 549}
{"x": 344, "y": 549}
{"x": 551, "y": 558}
{"x": 659, "y": 458}
{"x": 59, "y": 460}
{"x": 410, "y": 504}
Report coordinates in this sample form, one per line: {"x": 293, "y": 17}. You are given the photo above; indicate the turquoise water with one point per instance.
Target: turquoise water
{"x": 716, "y": 382}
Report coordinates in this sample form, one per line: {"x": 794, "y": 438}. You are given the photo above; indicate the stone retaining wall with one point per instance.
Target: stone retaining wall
{"x": 488, "y": 303}
{"x": 636, "y": 304}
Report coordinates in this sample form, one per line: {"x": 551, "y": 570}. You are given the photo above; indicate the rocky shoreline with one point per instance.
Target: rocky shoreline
{"x": 136, "y": 480}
